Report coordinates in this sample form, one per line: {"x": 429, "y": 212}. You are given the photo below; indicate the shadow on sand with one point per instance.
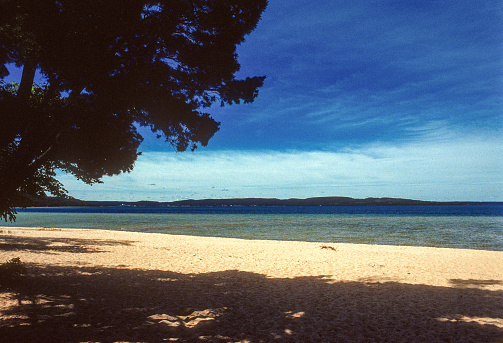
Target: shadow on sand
{"x": 56, "y": 245}
{"x": 63, "y": 304}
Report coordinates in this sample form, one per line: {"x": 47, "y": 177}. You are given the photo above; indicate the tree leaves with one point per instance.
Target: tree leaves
{"x": 110, "y": 66}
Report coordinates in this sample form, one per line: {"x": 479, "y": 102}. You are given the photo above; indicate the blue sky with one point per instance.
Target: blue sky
{"x": 362, "y": 99}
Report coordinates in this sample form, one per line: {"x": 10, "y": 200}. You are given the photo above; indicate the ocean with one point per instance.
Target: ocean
{"x": 476, "y": 226}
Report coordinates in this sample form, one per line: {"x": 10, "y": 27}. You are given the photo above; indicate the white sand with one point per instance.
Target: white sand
{"x": 99, "y": 285}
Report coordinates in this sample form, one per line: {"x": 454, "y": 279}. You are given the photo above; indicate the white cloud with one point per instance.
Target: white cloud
{"x": 466, "y": 169}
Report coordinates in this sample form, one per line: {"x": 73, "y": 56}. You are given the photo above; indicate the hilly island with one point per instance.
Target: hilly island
{"x": 314, "y": 201}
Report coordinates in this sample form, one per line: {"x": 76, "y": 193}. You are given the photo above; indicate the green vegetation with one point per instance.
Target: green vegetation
{"x": 11, "y": 273}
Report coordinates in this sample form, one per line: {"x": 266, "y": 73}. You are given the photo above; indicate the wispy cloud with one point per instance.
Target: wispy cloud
{"x": 459, "y": 170}
{"x": 387, "y": 66}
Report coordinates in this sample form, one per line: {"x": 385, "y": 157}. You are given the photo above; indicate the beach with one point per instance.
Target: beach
{"x": 118, "y": 286}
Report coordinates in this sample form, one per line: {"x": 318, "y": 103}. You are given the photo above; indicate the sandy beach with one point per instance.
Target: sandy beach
{"x": 114, "y": 286}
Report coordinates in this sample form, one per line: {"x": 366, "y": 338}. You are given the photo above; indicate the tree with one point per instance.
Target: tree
{"x": 110, "y": 67}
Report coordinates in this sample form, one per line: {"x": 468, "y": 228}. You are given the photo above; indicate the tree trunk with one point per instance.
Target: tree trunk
{"x": 29, "y": 69}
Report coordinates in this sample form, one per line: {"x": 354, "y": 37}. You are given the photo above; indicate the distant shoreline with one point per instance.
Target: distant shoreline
{"x": 470, "y": 226}
{"x": 314, "y": 201}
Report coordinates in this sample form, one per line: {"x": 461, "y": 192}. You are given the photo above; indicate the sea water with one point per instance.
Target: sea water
{"x": 478, "y": 226}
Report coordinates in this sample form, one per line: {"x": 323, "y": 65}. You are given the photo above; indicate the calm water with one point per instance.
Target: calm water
{"x": 462, "y": 226}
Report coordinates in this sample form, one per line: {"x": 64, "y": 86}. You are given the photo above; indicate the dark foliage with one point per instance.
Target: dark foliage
{"x": 111, "y": 66}
{"x": 11, "y": 273}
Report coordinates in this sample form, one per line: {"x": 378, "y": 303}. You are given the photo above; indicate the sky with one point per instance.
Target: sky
{"x": 362, "y": 98}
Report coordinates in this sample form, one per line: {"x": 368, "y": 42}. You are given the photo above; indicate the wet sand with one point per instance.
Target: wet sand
{"x": 111, "y": 286}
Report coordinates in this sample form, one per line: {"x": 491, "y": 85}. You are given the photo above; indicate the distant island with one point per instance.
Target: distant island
{"x": 315, "y": 201}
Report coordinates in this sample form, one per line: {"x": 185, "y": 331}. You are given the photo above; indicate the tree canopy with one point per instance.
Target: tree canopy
{"x": 110, "y": 67}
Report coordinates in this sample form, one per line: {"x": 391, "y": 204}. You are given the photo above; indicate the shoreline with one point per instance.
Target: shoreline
{"x": 5, "y": 229}
{"x": 156, "y": 285}
{"x": 241, "y": 237}
{"x": 293, "y": 258}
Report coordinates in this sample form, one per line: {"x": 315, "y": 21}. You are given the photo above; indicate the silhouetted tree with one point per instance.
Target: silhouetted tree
{"x": 111, "y": 66}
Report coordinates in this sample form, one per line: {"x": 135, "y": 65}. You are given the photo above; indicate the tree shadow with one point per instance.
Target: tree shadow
{"x": 63, "y": 304}
{"x": 474, "y": 283}
{"x": 56, "y": 245}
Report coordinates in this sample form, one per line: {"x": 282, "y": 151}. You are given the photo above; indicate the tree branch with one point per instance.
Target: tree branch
{"x": 27, "y": 78}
